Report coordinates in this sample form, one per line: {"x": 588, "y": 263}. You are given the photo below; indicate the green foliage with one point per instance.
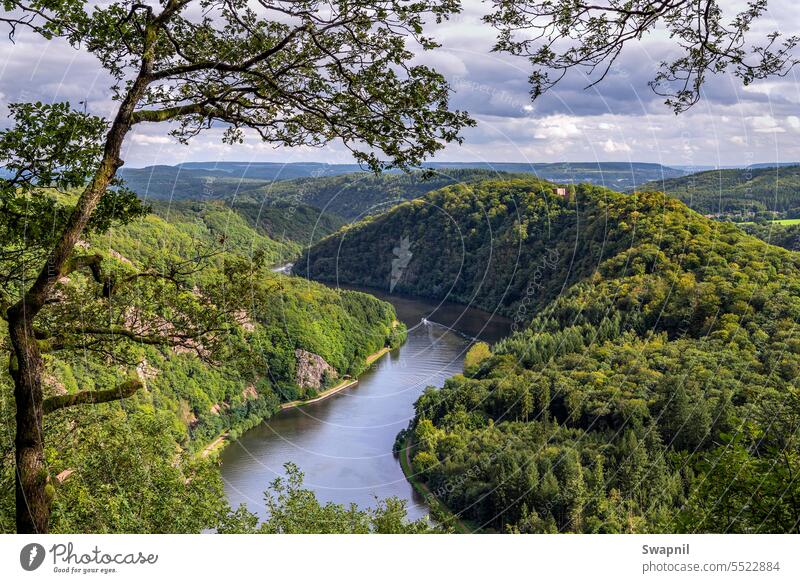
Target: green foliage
{"x": 786, "y": 236}
{"x": 292, "y": 509}
{"x": 177, "y": 230}
{"x": 49, "y": 153}
{"x": 491, "y": 244}
{"x": 477, "y": 353}
{"x": 285, "y": 221}
{"x": 737, "y": 193}
{"x": 655, "y": 359}
{"x": 135, "y": 465}
{"x": 359, "y": 193}
{"x": 354, "y": 196}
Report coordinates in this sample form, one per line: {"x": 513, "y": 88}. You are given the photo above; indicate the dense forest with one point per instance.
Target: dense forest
{"x": 281, "y": 228}
{"x": 309, "y": 181}
{"x": 354, "y": 196}
{"x": 651, "y": 385}
{"x": 770, "y": 192}
{"x": 141, "y": 465}
{"x": 345, "y": 190}
{"x": 481, "y": 244}
{"x": 786, "y": 236}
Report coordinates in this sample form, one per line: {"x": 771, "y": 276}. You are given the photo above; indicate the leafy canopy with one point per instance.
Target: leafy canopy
{"x": 560, "y": 35}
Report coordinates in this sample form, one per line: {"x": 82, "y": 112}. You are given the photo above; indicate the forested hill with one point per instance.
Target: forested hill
{"x": 138, "y": 465}
{"x": 354, "y": 196}
{"x": 206, "y": 180}
{"x": 479, "y": 243}
{"x": 652, "y": 385}
{"x": 732, "y": 192}
{"x": 284, "y": 227}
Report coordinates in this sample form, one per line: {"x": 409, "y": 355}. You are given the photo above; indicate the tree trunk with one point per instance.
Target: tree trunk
{"x": 32, "y": 500}
{"x": 32, "y": 495}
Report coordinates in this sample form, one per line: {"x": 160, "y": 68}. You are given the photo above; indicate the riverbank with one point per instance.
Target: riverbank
{"x": 218, "y": 444}
{"x": 444, "y": 515}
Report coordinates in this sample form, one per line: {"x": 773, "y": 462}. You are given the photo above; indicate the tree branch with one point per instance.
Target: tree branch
{"x": 83, "y": 261}
{"x": 122, "y": 391}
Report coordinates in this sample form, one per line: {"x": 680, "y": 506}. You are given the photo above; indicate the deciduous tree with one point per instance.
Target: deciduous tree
{"x": 294, "y": 72}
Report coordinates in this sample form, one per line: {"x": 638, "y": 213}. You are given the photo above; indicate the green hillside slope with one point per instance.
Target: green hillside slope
{"x": 737, "y": 192}
{"x": 652, "y": 385}
{"x": 354, "y": 196}
{"x": 137, "y": 465}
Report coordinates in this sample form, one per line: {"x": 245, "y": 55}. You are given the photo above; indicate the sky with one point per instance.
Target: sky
{"x": 618, "y": 120}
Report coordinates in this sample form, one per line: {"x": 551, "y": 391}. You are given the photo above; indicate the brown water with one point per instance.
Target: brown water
{"x": 344, "y": 444}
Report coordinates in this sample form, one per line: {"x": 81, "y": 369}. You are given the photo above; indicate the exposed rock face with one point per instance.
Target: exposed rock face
{"x": 119, "y": 257}
{"x": 311, "y": 369}
{"x": 243, "y": 319}
{"x": 62, "y": 477}
{"x": 145, "y": 372}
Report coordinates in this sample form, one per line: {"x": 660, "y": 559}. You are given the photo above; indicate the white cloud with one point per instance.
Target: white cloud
{"x": 557, "y": 127}
{"x": 730, "y": 125}
{"x": 145, "y": 140}
{"x": 611, "y": 147}
{"x": 765, "y": 124}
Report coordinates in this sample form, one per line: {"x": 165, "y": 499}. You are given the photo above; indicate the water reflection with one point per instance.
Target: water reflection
{"x": 344, "y": 444}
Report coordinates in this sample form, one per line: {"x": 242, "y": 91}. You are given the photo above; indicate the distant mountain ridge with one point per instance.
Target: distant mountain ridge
{"x": 204, "y": 180}
{"x": 741, "y": 192}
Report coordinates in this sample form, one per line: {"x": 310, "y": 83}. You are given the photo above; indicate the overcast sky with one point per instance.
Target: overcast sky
{"x": 619, "y": 120}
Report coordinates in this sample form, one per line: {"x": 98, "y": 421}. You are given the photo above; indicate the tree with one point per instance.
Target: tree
{"x": 559, "y": 35}
{"x": 293, "y": 509}
{"x": 295, "y": 72}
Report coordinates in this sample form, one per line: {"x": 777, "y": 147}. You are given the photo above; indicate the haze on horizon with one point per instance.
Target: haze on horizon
{"x": 620, "y": 120}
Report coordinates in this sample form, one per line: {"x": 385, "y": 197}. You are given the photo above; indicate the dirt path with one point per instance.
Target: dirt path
{"x": 214, "y": 445}
{"x": 373, "y": 357}
{"x": 322, "y": 396}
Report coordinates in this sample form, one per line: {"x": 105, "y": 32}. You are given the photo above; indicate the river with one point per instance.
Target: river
{"x": 344, "y": 443}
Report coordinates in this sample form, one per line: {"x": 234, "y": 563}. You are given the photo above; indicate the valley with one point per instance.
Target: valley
{"x": 571, "y": 358}
{"x": 345, "y": 443}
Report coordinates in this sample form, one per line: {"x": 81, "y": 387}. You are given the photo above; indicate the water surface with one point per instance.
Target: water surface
{"x": 344, "y": 443}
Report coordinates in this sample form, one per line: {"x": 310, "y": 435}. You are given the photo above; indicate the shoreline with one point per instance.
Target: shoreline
{"x": 459, "y": 525}
{"x": 219, "y": 442}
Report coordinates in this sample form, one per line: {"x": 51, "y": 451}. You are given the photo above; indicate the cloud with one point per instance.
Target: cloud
{"x": 611, "y": 147}
{"x": 150, "y": 140}
{"x": 765, "y": 124}
{"x": 731, "y": 124}
{"x": 557, "y": 127}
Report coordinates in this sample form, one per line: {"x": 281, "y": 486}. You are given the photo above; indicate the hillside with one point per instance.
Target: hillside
{"x": 205, "y": 180}
{"x": 346, "y": 190}
{"x": 651, "y": 385}
{"x": 786, "y": 236}
{"x": 615, "y": 175}
{"x": 354, "y": 196}
{"x": 289, "y": 222}
{"x": 280, "y": 230}
{"x": 737, "y": 193}
{"x": 280, "y": 339}
{"x": 478, "y": 244}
